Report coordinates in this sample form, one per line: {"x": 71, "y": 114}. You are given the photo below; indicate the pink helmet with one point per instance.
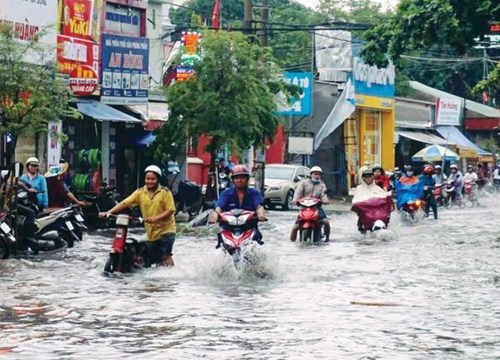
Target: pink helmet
{"x": 239, "y": 170}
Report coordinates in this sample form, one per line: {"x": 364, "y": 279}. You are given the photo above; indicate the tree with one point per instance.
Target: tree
{"x": 31, "y": 93}
{"x": 230, "y": 99}
{"x": 358, "y": 11}
{"x": 430, "y": 24}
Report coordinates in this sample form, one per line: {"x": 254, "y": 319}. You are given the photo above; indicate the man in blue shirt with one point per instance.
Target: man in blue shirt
{"x": 35, "y": 183}
{"x": 239, "y": 196}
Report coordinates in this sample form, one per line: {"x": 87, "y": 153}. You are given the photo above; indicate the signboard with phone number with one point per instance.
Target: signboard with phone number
{"x": 302, "y": 106}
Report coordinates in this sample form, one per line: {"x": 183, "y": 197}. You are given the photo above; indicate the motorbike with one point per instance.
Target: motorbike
{"x": 373, "y": 214}
{"x": 7, "y": 239}
{"x": 470, "y": 195}
{"x": 438, "y": 195}
{"x": 189, "y": 199}
{"x": 310, "y": 228}
{"x": 127, "y": 254}
{"x": 105, "y": 199}
{"x": 239, "y": 229}
{"x": 410, "y": 209}
{"x": 451, "y": 195}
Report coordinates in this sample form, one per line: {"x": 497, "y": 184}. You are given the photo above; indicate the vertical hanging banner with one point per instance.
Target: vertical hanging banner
{"x": 78, "y": 35}
{"x": 190, "y": 50}
{"x": 125, "y": 65}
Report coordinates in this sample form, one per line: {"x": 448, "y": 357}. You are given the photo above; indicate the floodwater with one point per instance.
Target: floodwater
{"x": 423, "y": 291}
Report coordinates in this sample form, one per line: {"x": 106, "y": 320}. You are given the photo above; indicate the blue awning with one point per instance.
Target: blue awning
{"x": 103, "y": 112}
{"x": 455, "y": 136}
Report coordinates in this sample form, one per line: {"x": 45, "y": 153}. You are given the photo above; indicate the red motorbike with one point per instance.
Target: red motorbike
{"x": 310, "y": 228}
{"x": 373, "y": 214}
{"x": 438, "y": 195}
{"x": 470, "y": 196}
{"x": 239, "y": 229}
{"x": 127, "y": 254}
{"x": 411, "y": 208}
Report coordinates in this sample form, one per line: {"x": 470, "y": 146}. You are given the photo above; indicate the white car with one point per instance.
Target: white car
{"x": 280, "y": 183}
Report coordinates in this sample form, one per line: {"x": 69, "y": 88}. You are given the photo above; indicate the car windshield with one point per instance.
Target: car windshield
{"x": 279, "y": 172}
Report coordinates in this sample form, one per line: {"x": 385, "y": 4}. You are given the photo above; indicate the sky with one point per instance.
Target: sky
{"x": 314, "y": 3}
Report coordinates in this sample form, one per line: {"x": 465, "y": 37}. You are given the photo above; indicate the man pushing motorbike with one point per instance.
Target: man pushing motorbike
{"x": 158, "y": 210}
{"x": 314, "y": 187}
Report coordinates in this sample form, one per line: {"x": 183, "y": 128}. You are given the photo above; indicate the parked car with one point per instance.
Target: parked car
{"x": 280, "y": 183}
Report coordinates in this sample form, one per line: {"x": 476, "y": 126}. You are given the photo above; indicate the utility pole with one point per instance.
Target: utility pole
{"x": 248, "y": 17}
{"x": 265, "y": 23}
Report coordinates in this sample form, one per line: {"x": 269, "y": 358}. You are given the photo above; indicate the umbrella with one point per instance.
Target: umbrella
{"x": 435, "y": 153}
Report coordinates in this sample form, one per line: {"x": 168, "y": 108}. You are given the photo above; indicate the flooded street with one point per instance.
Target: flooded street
{"x": 441, "y": 278}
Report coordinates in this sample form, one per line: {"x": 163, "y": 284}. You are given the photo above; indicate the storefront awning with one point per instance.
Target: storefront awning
{"x": 424, "y": 138}
{"x": 103, "y": 112}
{"x": 467, "y": 147}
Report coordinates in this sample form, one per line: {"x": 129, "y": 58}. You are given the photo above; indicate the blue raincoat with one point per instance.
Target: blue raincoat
{"x": 408, "y": 189}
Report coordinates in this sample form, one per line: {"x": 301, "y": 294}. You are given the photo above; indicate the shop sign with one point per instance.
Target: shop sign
{"x": 83, "y": 81}
{"x": 190, "y": 55}
{"x": 373, "y": 81}
{"x": 302, "y": 105}
{"x": 29, "y": 17}
{"x": 125, "y": 63}
{"x": 72, "y": 52}
{"x": 448, "y": 111}
{"x": 123, "y": 19}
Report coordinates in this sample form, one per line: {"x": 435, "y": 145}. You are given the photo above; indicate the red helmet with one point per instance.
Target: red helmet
{"x": 239, "y": 170}
{"x": 428, "y": 170}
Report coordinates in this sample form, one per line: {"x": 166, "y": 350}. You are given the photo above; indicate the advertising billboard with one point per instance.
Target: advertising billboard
{"x": 78, "y": 34}
{"x": 125, "y": 63}
{"x": 448, "y": 111}
{"x": 30, "y": 17}
{"x": 301, "y": 106}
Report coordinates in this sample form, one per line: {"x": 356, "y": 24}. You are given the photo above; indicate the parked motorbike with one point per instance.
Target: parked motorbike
{"x": 310, "y": 228}
{"x": 105, "y": 199}
{"x": 470, "y": 193}
{"x": 373, "y": 214}
{"x": 189, "y": 199}
{"x": 239, "y": 229}
{"x": 411, "y": 209}
{"x": 127, "y": 254}
{"x": 7, "y": 239}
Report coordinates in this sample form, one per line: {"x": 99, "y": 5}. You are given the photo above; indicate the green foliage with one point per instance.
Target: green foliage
{"x": 492, "y": 83}
{"x": 357, "y": 11}
{"x": 230, "y": 99}
{"x": 31, "y": 93}
{"x": 442, "y": 26}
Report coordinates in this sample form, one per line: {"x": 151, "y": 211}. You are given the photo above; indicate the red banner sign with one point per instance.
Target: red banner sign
{"x": 83, "y": 80}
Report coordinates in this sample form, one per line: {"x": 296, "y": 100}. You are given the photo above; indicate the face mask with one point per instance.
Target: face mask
{"x": 315, "y": 181}
{"x": 409, "y": 173}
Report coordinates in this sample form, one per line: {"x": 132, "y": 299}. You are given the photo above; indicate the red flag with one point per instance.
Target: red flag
{"x": 216, "y": 15}
{"x": 486, "y": 97}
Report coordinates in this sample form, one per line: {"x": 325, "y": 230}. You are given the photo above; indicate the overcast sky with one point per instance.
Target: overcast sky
{"x": 314, "y": 3}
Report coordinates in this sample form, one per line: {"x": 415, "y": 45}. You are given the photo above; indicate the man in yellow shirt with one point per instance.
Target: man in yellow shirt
{"x": 158, "y": 209}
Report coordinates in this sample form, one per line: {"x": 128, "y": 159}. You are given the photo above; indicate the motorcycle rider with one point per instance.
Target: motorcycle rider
{"x": 470, "y": 174}
{"x": 158, "y": 210}
{"x": 429, "y": 184}
{"x": 482, "y": 176}
{"x": 496, "y": 178}
{"x": 240, "y": 196}
{"x": 314, "y": 187}
{"x": 35, "y": 183}
{"x": 380, "y": 178}
{"x": 405, "y": 186}
{"x": 457, "y": 179}
{"x": 367, "y": 190}
{"x": 439, "y": 176}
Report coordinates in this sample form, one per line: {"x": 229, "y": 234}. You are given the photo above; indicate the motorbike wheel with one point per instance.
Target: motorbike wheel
{"x": 4, "y": 249}
{"x": 112, "y": 264}
{"x": 78, "y": 231}
{"x": 65, "y": 238}
{"x": 306, "y": 235}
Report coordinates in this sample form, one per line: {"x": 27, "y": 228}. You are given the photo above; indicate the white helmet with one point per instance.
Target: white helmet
{"x": 453, "y": 166}
{"x": 154, "y": 169}
{"x": 316, "y": 169}
{"x": 32, "y": 160}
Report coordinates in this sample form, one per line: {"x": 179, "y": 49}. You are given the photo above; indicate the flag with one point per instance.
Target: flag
{"x": 486, "y": 97}
{"x": 216, "y": 15}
